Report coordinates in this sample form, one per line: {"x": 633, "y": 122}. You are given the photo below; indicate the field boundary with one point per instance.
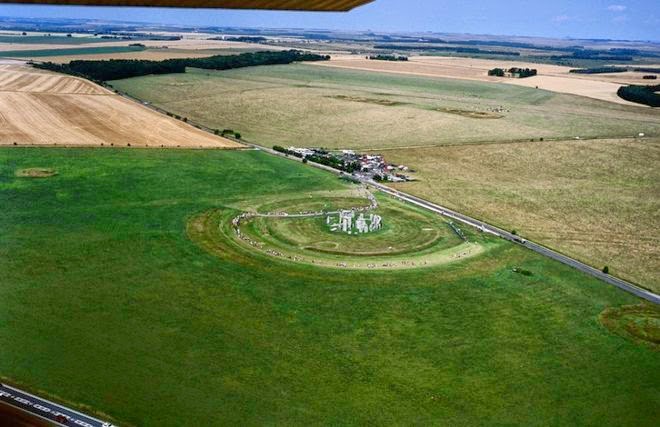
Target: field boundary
{"x": 480, "y": 225}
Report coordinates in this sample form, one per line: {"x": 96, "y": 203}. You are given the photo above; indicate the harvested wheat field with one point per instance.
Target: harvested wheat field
{"x": 554, "y": 78}
{"x": 186, "y": 43}
{"x": 40, "y": 108}
{"x": 20, "y": 78}
{"x": 591, "y": 88}
{"x": 194, "y": 44}
{"x": 148, "y": 54}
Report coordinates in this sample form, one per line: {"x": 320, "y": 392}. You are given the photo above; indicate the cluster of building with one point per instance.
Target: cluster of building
{"x": 371, "y": 166}
{"x": 350, "y": 223}
{"x": 375, "y": 167}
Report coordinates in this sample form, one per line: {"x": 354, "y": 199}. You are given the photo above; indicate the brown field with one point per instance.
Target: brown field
{"x": 19, "y": 78}
{"x": 157, "y": 50}
{"x": 597, "y": 200}
{"x": 29, "y": 46}
{"x": 551, "y": 77}
{"x": 149, "y": 54}
{"x": 39, "y": 108}
{"x": 191, "y": 44}
{"x": 36, "y": 173}
{"x": 185, "y": 44}
{"x": 582, "y": 86}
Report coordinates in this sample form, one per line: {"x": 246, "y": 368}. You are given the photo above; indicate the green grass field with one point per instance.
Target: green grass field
{"x": 409, "y": 238}
{"x": 106, "y": 303}
{"x": 68, "y": 52}
{"x": 595, "y": 200}
{"x": 307, "y": 105}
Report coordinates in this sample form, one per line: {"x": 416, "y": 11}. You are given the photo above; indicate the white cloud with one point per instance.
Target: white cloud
{"x": 561, "y": 19}
{"x": 617, "y": 8}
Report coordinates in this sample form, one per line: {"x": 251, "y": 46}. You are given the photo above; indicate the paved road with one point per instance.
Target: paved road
{"x": 487, "y": 228}
{"x": 619, "y": 283}
{"x": 47, "y": 410}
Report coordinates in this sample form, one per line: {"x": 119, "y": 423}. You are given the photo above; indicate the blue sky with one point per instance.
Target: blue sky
{"x": 617, "y": 19}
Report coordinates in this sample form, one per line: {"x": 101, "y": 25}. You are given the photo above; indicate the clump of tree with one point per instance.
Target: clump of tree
{"x": 322, "y": 159}
{"x": 647, "y": 95}
{"x": 523, "y": 72}
{"x": 513, "y": 72}
{"x": 334, "y": 162}
{"x": 116, "y": 69}
{"x": 497, "y": 72}
{"x": 230, "y": 132}
{"x": 281, "y": 149}
{"x": 466, "y": 50}
{"x": 522, "y": 271}
{"x": 647, "y": 70}
{"x": 599, "y": 70}
{"x": 242, "y": 39}
{"x": 387, "y": 58}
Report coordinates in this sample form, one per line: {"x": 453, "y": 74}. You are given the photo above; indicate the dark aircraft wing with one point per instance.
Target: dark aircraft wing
{"x": 312, "y": 5}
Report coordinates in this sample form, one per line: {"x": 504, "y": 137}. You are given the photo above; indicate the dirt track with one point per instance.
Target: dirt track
{"x": 40, "y": 108}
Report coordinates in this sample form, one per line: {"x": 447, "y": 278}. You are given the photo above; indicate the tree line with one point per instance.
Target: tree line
{"x": 647, "y": 95}
{"x": 327, "y": 160}
{"x": 514, "y": 72}
{"x": 387, "y": 58}
{"x": 473, "y": 50}
{"x": 116, "y": 69}
{"x": 242, "y": 39}
{"x": 614, "y": 69}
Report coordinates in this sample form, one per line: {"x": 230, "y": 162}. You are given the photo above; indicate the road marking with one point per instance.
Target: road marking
{"x": 46, "y": 409}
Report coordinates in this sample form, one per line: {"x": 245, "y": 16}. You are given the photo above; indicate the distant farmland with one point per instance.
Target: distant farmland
{"x": 152, "y": 54}
{"x": 59, "y": 39}
{"x": 311, "y": 105}
{"x": 38, "y": 53}
{"x": 318, "y": 106}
